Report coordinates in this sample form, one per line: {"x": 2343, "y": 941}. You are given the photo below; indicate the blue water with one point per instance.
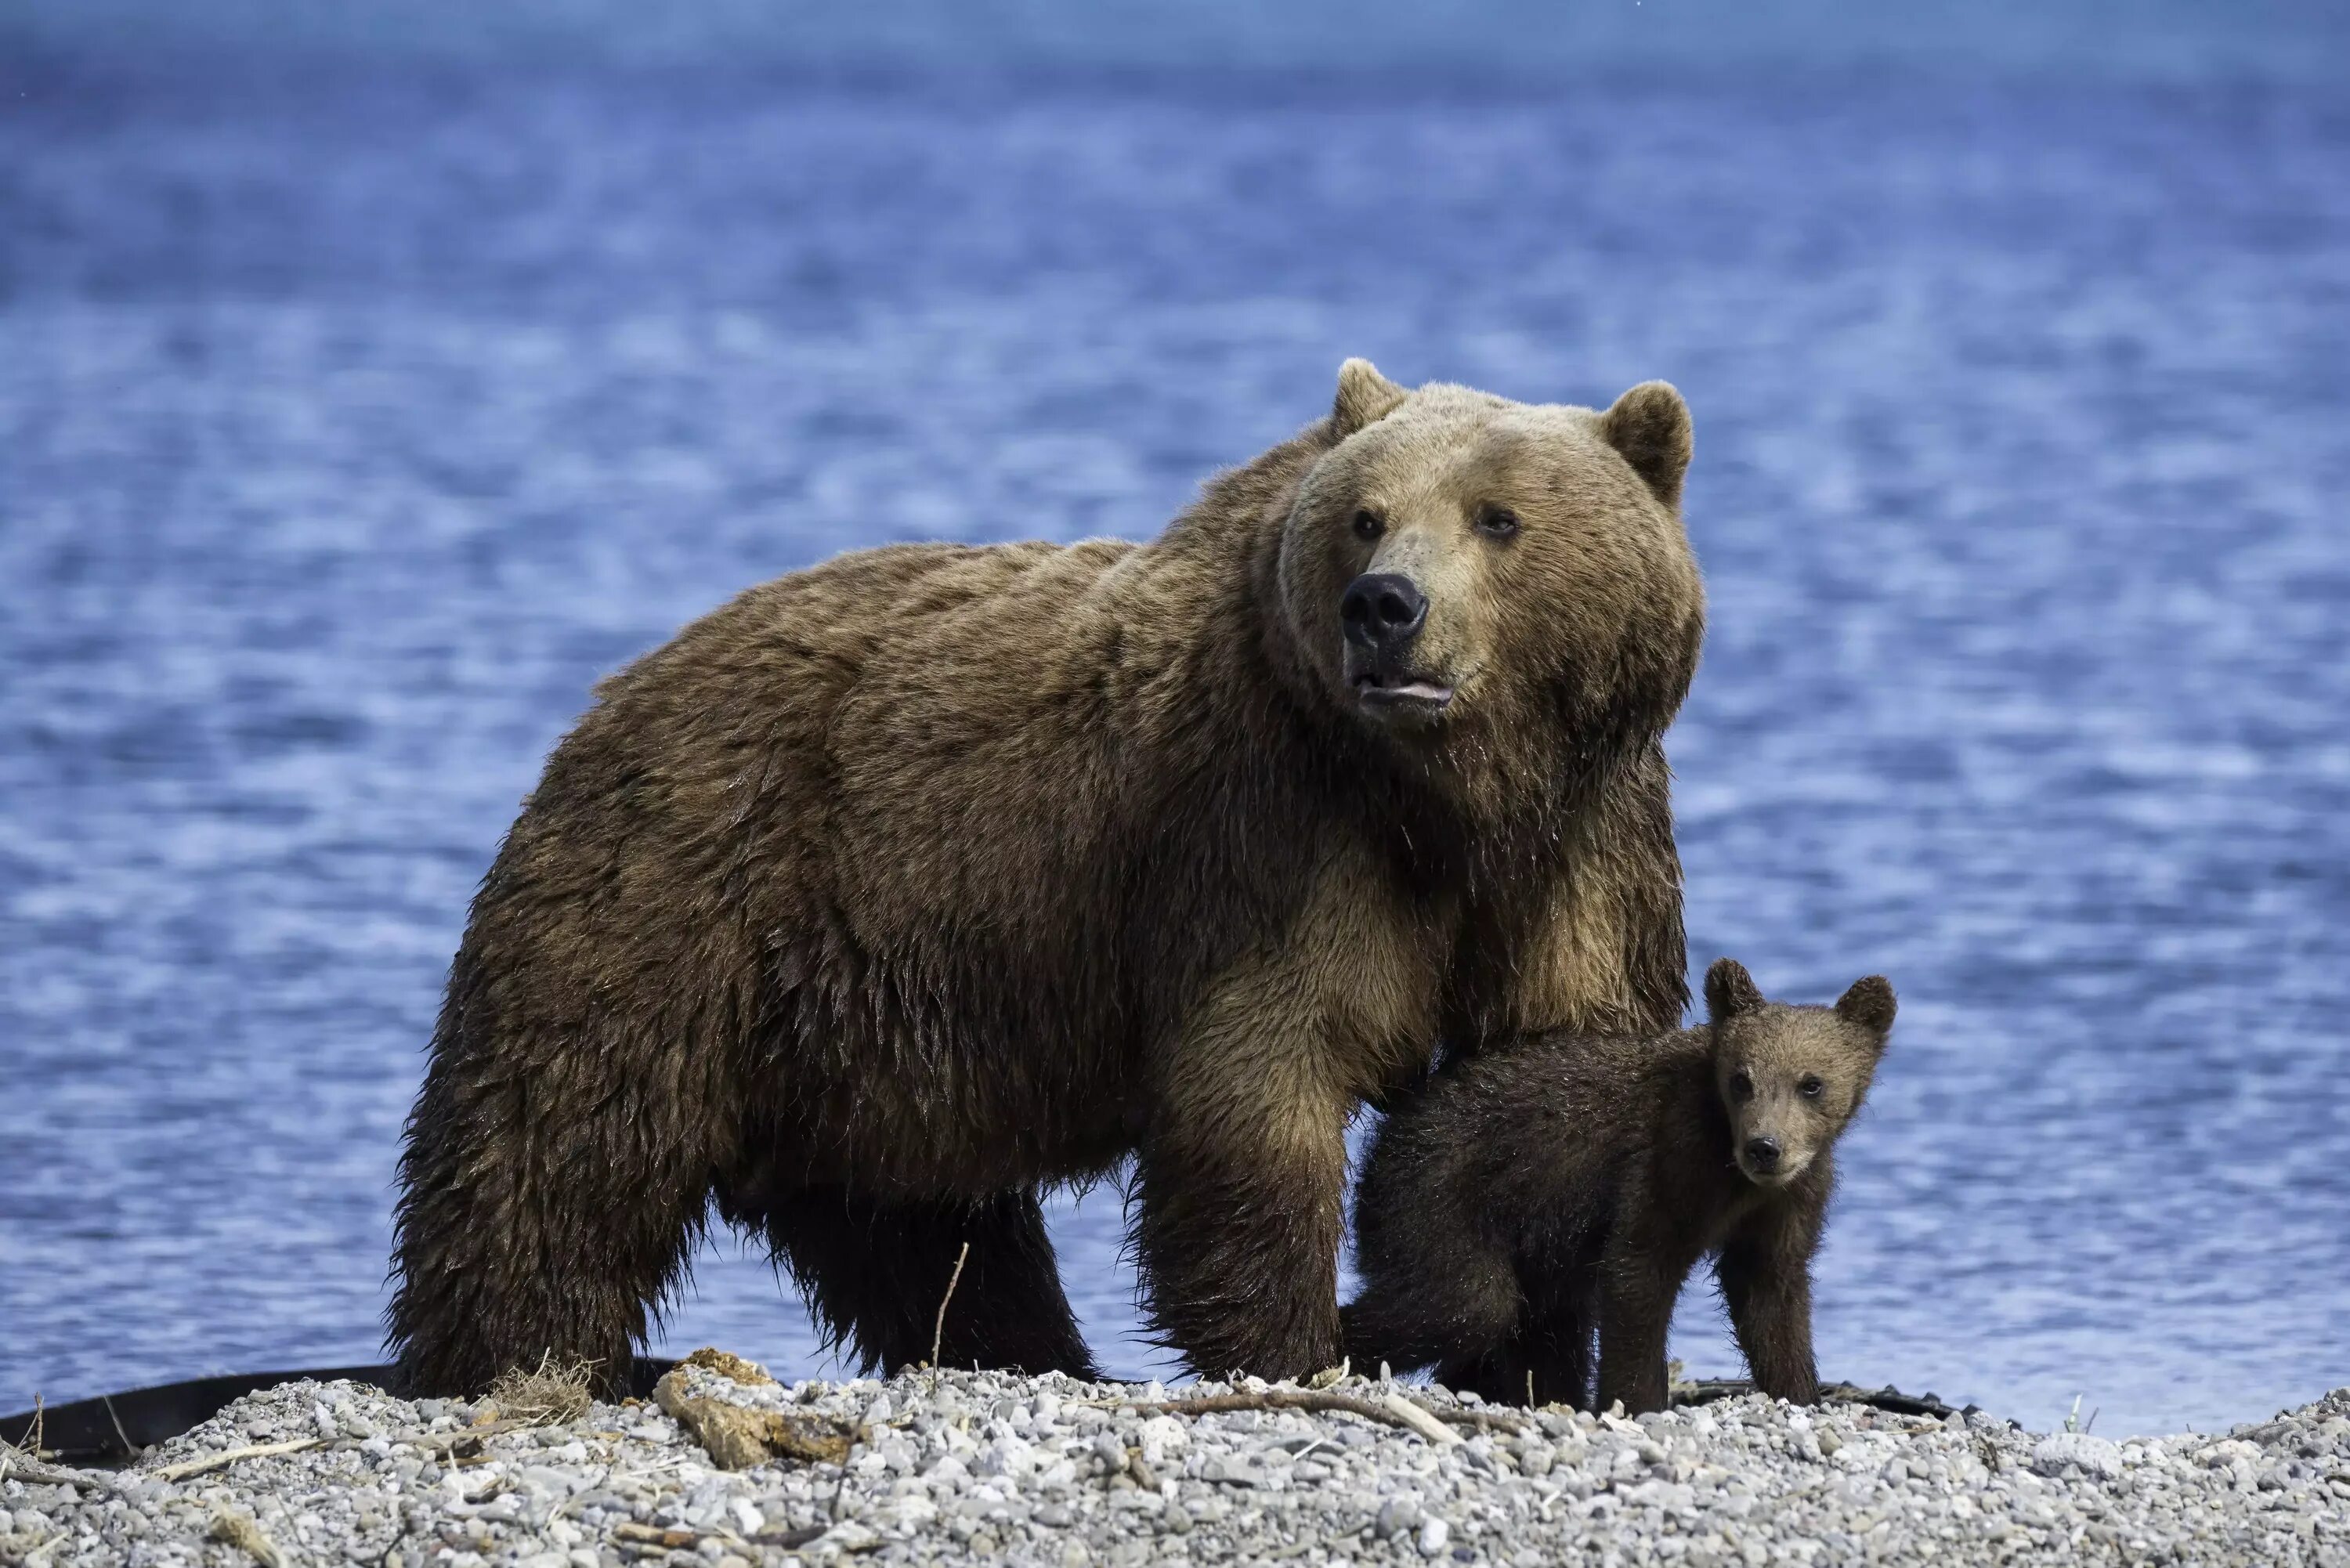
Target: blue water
{"x": 355, "y": 418}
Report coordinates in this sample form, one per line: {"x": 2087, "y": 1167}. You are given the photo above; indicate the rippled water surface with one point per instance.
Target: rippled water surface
{"x": 353, "y": 421}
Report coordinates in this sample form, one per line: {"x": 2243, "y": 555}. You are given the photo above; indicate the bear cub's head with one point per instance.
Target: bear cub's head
{"x": 1460, "y": 565}
{"x": 1791, "y": 1077}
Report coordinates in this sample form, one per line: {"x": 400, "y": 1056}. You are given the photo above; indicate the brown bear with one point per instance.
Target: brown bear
{"x": 1531, "y": 1195}
{"x": 902, "y": 888}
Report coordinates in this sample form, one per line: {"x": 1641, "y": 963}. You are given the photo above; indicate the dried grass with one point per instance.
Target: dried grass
{"x": 554, "y": 1395}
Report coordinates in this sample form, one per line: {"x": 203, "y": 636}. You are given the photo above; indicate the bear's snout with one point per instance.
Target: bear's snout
{"x": 1769, "y": 1160}
{"x": 1383, "y": 612}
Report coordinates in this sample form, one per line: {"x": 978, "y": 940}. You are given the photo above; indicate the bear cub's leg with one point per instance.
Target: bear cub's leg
{"x": 1765, "y": 1273}
{"x": 1562, "y": 1315}
{"x": 1463, "y": 1317}
{"x": 1641, "y": 1277}
{"x": 874, "y": 1273}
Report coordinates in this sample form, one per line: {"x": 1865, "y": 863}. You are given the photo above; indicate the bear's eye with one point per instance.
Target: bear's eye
{"x": 1741, "y": 1084}
{"x": 1368, "y": 523}
{"x": 1496, "y": 522}
{"x": 1809, "y": 1085}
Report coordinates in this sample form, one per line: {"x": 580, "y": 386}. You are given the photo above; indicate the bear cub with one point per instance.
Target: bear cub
{"x": 1534, "y": 1196}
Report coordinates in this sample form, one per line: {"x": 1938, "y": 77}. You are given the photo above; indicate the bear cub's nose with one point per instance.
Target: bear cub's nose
{"x": 1763, "y": 1153}
{"x": 1383, "y": 610}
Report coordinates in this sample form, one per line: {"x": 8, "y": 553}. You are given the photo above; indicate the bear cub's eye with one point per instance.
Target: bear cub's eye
{"x": 1741, "y": 1084}
{"x": 1809, "y": 1085}
{"x": 1496, "y": 522}
{"x": 1368, "y": 524}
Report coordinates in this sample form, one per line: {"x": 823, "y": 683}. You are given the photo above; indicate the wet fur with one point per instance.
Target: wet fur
{"x": 903, "y": 888}
{"x": 1536, "y": 1197}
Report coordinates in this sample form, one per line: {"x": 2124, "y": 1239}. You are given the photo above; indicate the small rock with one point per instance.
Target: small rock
{"x": 1434, "y": 1534}
{"x": 2099, "y": 1457}
{"x": 848, "y": 1535}
{"x": 1161, "y": 1438}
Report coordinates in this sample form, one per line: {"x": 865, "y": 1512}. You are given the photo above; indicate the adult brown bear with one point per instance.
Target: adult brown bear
{"x": 903, "y": 887}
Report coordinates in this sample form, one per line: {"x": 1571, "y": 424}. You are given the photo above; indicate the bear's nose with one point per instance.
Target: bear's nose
{"x": 1763, "y": 1153}
{"x": 1383, "y": 610}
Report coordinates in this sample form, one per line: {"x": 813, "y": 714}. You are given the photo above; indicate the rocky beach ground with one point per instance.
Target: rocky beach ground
{"x": 948, "y": 1466}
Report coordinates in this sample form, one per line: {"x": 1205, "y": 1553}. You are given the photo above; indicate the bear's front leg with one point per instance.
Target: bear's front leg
{"x": 1765, "y": 1270}
{"x": 1242, "y": 1176}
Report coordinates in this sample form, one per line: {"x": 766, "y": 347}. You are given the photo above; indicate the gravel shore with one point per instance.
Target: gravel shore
{"x": 1049, "y": 1471}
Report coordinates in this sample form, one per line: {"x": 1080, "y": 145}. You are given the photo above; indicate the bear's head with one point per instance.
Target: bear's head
{"x": 1495, "y": 581}
{"x": 1791, "y": 1077}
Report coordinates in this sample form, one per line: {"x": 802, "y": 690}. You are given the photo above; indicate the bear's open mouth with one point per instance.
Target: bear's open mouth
{"x": 1400, "y": 689}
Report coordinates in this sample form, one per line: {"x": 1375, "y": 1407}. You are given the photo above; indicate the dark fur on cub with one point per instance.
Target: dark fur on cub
{"x": 1534, "y": 1196}
{"x": 904, "y": 886}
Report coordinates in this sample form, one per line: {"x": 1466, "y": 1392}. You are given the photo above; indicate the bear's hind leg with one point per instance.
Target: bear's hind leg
{"x": 537, "y": 1218}
{"x": 1558, "y": 1354}
{"x": 874, "y": 1273}
{"x": 1463, "y": 1314}
{"x": 1498, "y": 1376}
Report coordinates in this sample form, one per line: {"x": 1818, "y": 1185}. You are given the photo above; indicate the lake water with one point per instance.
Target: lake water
{"x": 354, "y": 421}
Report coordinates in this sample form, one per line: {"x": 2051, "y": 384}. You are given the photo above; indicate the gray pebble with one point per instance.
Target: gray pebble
{"x": 1396, "y": 1515}
{"x": 2094, "y": 1456}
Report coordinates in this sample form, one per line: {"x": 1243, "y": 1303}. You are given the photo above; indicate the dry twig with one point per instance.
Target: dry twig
{"x": 187, "y": 1468}
{"x": 15, "y": 1464}
{"x": 1390, "y": 1409}
{"x": 939, "y": 1327}
{"x": 129, "y": 1448}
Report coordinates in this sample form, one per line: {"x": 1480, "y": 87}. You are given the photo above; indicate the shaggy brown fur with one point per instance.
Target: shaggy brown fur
{"x": 1532, "y": 1195}
{"x": 902, "y": 888}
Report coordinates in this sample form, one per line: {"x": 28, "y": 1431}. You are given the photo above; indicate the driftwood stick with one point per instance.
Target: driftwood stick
{"x": 187, "y": 1468}
{"x": 939, "y": 1328}
{"x": 15, "y": 1464}
{"x": 1421, "y": 1420}
{"x": 1389, "y": 1410}
{"x": 18, "y": 1465}
{"x": 1487, "y": 1420}
{"x": 430, "y": 1441}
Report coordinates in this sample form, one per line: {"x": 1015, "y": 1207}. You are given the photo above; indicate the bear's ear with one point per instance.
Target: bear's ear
{"x": 1728, "y": 990}
{"x": 1869, "y": 1003}
{"x": 1649, "y": 427}
{"x": 1364, "y": 396}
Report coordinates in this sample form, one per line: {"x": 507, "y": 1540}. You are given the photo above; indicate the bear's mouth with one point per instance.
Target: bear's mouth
{"x": 1400, "y": 691}
{"x": 1775, "y": 1177}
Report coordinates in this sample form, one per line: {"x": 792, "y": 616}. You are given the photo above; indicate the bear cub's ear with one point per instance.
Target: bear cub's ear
{"x": 1363, "y": 396}
{"x": 1649, "y": 428}
{"x": 1728, "y": 990}
{"x": 1869, "y": 1003}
